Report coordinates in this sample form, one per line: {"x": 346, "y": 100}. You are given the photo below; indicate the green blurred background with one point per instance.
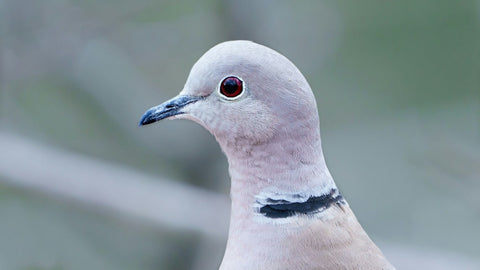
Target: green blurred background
{"x": 397, "y": 86}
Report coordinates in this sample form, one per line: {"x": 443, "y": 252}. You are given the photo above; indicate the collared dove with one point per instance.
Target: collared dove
{"x": 287, "y": 212}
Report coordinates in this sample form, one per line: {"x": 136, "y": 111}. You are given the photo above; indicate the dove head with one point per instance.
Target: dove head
{"x": 263, "y": 114}
{"x": 247, "y": 96}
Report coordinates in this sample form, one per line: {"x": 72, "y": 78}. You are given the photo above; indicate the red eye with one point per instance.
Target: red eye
{"x": 231, "y": 87}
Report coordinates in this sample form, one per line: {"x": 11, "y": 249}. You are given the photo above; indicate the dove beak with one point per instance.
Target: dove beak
{"x": 167, "y": 109}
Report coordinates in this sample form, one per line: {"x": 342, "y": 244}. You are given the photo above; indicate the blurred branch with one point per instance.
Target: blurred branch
{"x": 28, "y": 164}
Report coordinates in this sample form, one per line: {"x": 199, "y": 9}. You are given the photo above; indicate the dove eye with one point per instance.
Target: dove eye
{"x": 231, "y": 87}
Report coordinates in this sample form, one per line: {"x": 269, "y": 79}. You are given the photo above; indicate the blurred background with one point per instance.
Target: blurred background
{"x": 83, "y": 187}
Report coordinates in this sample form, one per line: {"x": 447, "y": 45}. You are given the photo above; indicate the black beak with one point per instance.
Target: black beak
{"x": 167, "y": 109}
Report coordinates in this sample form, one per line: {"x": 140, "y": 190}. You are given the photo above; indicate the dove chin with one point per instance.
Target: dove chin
{"x": 171, "y": 109}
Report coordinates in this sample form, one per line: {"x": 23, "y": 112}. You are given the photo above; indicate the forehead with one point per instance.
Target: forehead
{"x": 240, "y": 58}
{"x": 214, "y": 66}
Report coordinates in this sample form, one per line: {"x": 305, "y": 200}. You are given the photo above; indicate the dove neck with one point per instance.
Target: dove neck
{"x": 278, "y": 168}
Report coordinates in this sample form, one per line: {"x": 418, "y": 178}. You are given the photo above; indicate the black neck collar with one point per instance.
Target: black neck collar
{"x": 275, "y": 208}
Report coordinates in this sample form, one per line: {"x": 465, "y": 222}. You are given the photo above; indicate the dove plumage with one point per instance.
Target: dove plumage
{"x": 287, "y": 212}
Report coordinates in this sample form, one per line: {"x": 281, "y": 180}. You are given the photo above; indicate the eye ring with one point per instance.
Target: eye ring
{"x": 231, "y": 87}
